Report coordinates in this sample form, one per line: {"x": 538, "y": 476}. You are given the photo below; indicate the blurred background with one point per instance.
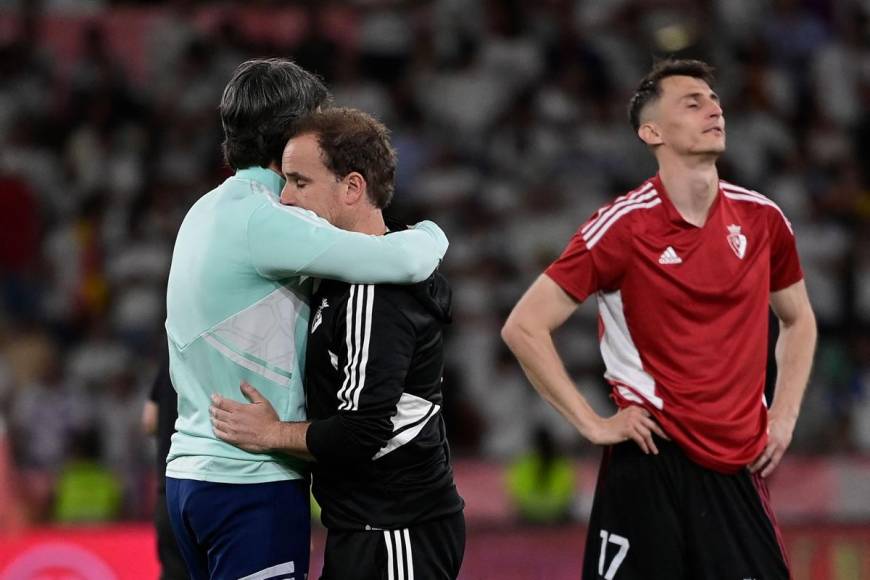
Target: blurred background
{"x": 510, "y": 122}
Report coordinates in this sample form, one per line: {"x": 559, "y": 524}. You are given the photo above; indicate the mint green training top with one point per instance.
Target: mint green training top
{"x": 237, "y": 310}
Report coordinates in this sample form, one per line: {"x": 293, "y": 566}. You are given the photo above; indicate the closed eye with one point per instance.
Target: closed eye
{"x": 297, "y": 179}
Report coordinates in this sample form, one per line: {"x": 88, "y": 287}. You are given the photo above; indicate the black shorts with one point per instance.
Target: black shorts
{"x": 431, "y": 550}
{"x": 664, "y": 516}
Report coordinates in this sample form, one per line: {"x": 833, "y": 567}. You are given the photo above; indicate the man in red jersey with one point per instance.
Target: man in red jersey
{"x": 683, "y": 269}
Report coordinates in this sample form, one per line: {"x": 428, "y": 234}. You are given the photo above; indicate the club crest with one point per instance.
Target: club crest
{"x": 736, "y": 240}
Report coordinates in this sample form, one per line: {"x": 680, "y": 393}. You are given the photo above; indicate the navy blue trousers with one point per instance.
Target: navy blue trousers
{"x": 254, "y": 531}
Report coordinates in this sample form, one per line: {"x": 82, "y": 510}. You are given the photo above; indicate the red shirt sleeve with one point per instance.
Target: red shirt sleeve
{"x": 593, "y": 260}
{"x": 785, "y": 266}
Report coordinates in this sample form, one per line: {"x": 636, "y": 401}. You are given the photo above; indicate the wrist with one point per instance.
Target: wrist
{"x": 591, "y": 428}
{"x": 273, "y": 436}
{"x": 782, "y": 414}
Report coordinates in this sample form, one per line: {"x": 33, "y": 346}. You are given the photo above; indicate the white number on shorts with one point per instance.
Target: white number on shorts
{"x": 620, "y": 541}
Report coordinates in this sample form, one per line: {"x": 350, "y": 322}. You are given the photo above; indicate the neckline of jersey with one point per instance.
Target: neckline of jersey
{"x": 673, "y": 214}
{"x": 271, "y": 180}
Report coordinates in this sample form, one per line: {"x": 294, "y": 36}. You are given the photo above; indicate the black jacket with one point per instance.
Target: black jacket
{"x": 163, "y": 394}
{"x": 373, "y": 387}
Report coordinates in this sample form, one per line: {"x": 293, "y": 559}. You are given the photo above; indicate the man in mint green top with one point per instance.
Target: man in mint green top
{"x": 237, "y": 310}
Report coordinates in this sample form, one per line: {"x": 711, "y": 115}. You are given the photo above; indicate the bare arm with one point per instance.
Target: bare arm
{"x": 528, "y": 332}
{"x": 149, "y": 418}
{"x": 255, "y": 427}
{"x": 794, "y": 358}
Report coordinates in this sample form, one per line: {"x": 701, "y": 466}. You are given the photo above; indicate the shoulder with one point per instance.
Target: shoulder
{"x": 621, "y": 214}
{"x": 267, "y": 206}
{"x": 235, "y": 199}
{"x": 394, "y": 297}
{"x": 754, "y": 202}
{"x": 332, "y": 294}
{"x": 396, "y": 302}
{"x": 391, "y": 309}
{"x": 330, "y": 288}
{"x": 384, "y": 297}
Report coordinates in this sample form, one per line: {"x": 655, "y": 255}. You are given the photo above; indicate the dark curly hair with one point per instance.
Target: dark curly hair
{"x": 650, "y": 89}
{"x": 351, "y": 140}
{"x": 259, "y": 105}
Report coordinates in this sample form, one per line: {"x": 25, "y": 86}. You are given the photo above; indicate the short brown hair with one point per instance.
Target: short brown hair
{"x": 649, "y": 89}
{"x": 351, "y": 140}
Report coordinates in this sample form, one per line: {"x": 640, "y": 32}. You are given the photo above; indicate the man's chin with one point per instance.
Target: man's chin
{"x": 710, "y": 151}
{"x": 315, "y": 212}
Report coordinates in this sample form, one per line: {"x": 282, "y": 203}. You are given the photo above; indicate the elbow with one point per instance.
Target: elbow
{"x": 418, "y": 268}
{"x": 810, "y": 321}
{"x": 361, "y": 440}
{"x": 803, "y": 323}
{"x": 812, "y": 328}
{"x": 357, "y": 454}
{"x": 524, "y": 331}
{"x": 512, "y": 332}
{"x": 372, "y": 443}
{"x": 507, "y": 331}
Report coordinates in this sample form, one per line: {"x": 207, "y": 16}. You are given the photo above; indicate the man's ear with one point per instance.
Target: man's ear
{"x": 650, "y": 134}
{"x": 356, "y": 187}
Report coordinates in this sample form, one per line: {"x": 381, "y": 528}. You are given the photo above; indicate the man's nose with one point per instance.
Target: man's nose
{"x": 715, "y": 109}
{"x": 286, "y": 196}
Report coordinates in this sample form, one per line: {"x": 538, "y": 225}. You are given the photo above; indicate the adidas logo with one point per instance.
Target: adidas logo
{"x": 669, "y": 256}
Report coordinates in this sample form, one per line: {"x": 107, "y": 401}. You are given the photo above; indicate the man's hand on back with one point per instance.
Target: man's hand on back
{"x": 250, "y": 426}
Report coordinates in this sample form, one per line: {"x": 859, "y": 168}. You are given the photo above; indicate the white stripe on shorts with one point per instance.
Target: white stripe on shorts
{"x": 397, "y": 537}
{"x": 273, "y": 572}
{"x": 388, "y": 541}
{"x": 400, "y": 560}
{"x": 408, "y": 556}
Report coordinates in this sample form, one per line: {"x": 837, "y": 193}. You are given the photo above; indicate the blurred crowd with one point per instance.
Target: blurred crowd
{"x": 509, "y": 118}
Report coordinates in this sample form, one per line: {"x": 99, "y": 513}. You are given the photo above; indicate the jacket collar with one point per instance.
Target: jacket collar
{"x": 271, "y": 180}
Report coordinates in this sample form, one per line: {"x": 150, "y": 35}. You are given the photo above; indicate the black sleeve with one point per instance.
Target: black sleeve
{"x": 376, "y": 348}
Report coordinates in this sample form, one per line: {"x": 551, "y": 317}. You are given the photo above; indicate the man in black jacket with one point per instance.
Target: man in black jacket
{"x": 158, "y": 418}
{"x": 373, "y": 379}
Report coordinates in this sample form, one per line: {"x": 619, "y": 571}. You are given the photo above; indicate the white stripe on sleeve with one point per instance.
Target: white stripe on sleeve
{"x": 592, "y": 238}
{"x": 366, "y": 341}
{"x": 348, "y": 322}
{"x": 639, "y": 194}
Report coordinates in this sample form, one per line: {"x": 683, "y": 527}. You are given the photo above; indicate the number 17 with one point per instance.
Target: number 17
{"x": 623, "y": 544}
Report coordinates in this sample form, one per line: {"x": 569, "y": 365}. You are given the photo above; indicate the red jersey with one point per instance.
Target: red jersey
{"x": 683, "y": 311}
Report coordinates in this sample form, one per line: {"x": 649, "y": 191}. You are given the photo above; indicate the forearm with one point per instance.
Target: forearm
{"x": 289, "y": 438}
{"x": 288, "y": 241}
{"x": 344, "y": 440}
{"x": 541, "y": 363}
{"x": 400, "y": 258}
{"x": 794, "y": 357}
